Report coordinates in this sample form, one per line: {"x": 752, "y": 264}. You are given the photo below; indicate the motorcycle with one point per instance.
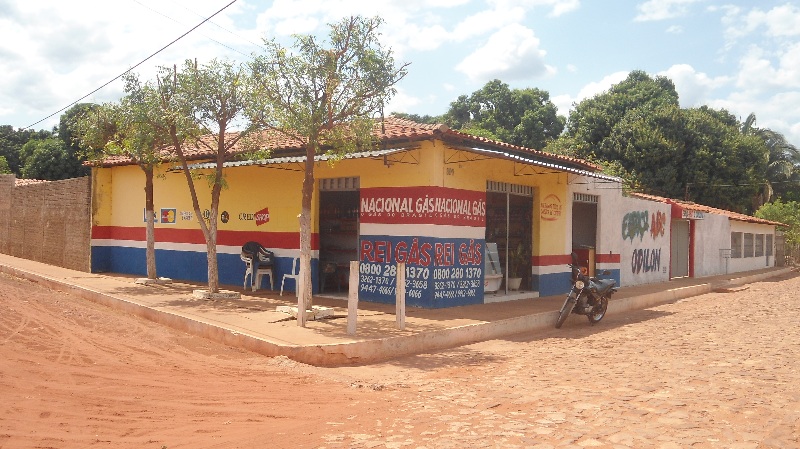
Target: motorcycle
{"x": 589, "y": 295}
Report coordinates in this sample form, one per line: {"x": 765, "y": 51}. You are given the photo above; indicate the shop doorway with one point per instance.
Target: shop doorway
{"x": 679, "y": 249}
{"x": 338, "y": 232}
{"x": 509, "y": 226}
{"x": 584, "y": 230}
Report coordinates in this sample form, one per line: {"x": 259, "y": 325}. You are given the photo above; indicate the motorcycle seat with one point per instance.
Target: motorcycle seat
{"x": 605, "y": 284}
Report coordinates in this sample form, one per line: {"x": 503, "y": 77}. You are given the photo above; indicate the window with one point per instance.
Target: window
{"x": 736, "y": 245}
{"x": 769, "y": 244}
{"x": 748, "y": 245}
{"x": 759, "y": 245}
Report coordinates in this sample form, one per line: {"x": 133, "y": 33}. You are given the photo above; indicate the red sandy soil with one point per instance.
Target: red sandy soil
{"x": 716, "y": 371}
{"x": 77, "y": 374}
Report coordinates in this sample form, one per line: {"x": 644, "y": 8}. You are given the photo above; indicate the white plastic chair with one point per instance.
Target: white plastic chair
{"x": 255, "y": 280}
{"x": 294, "y": 274}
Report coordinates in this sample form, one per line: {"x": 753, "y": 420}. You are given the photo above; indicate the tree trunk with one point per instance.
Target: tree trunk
{"x": 211, "y": 238}
{"x": 150, "y": 252}
{"x": 305, "y": 224}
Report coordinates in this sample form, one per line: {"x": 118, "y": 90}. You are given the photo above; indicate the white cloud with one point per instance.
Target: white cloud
{"x": 693, "y": 88}
{"x": 402, "y": 102}
{"x": 592, "y": 89}
{"x": 564, "y": 102}
{"x": 675, "y": 29}
{"x": 557, "y": 7}
{"x": 653, "y": 10}
{"x": 510, "y": 54}
{"x": 781, "y": 21}
{"x": 757, "y": 73}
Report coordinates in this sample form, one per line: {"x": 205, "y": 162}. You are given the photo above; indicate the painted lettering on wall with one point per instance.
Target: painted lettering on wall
{"x": 638, "y": 223}
{"x": 658, "y": 224}
{"x": 550, "y": 208}
{"x": 635, "y": 224}
{"x": 645, "y": 260}
{"x": 418, "y": 205}
{"x": 443, "y": 269}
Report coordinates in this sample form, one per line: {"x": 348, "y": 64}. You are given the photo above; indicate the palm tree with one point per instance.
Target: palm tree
{"x": 783, "y": 167}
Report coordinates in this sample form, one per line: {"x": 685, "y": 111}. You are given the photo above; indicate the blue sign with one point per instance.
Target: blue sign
{"x": 440, "y": 272}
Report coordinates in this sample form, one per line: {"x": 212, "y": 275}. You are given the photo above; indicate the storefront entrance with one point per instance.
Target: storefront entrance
{"x": 509, "y": 210}
{"x": 338, "y": 232}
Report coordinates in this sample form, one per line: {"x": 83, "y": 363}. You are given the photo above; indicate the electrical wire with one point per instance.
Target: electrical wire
{"x": 137, "y": 65}
{"x": 155, "y": 11}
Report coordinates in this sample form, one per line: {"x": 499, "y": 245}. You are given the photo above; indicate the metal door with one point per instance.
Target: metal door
{"x": 679, "y": 249}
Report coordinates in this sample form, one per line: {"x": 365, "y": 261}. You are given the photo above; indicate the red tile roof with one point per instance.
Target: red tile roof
{"x": 688, "y": 205}
{"x": 391, "y": 129}
{"x": 26, "y": 182}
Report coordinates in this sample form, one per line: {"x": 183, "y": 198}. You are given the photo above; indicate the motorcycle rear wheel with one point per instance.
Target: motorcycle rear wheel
{"x": 569, "y": 304}
{"x": 599, "y": 311}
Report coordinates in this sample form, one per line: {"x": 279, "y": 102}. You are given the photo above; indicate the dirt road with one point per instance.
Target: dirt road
{"x": 714, "y": 371}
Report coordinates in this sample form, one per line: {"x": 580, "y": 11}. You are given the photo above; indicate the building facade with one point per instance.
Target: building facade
{"x": 466, "y": 216}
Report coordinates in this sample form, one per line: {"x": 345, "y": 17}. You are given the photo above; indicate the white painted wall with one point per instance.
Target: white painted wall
{"x": 752, "y": 263}
{"x": 643, "y": 229}
{"x": 712, "y": 233}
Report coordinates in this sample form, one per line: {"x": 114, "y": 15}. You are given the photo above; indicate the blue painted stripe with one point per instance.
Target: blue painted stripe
{"x": 188, "y": 266}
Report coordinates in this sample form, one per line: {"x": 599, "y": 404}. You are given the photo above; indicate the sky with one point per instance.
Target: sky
{"x": 740, "y": 55}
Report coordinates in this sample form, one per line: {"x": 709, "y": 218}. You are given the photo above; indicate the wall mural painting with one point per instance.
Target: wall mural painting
{"x": 638, "y": 224}
{"x": 646, "y": 260}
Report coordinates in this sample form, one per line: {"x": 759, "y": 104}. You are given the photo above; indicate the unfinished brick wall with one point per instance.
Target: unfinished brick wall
{"x": 48, "y": 222}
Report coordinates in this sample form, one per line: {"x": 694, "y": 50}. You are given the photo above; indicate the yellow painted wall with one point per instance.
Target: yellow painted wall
{"x": 119, "y": 191}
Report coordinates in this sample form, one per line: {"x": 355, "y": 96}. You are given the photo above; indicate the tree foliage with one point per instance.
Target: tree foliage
{"x": 204, "y": 100}
{"x": 698, "y": 154}
{"x": 524, "y": 117}
{"x": 127, "y": 128}
{"x": 787, "y": 213}
{"x": 325, "y": 94}
{"x": 594, "y": 119}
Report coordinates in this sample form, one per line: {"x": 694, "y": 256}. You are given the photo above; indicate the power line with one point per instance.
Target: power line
{"x": 137, "y": 65}
{"x": 207, "y": 37}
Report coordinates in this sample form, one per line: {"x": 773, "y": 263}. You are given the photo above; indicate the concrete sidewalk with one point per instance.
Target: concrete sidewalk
{"x": 253, "y": 323}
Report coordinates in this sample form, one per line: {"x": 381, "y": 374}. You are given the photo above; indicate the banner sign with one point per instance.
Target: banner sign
{"x": 423, "y": 205}
{"x": 439, "y": 272}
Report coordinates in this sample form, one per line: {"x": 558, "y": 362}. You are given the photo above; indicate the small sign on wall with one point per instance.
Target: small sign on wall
{"x": 551, "y": 208}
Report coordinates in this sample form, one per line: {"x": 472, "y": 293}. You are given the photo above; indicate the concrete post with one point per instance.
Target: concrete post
{"x": 352, "y": 298}
{"x": 400, "y": 292}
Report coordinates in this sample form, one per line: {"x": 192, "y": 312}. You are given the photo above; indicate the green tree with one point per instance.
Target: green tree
{"x": 594, "y": 119}
{"x": 524, "y": 117}
{"x": 783, "y": 168}
{"x": 128, "y": 128}
{"x": 66, "y": 132}
{"x": 206, "y": 100}
{"x": 787, "y": 213}
{"x": 11, "y": 142}
{"x": 697, "y": 154}
{"x": 4, "y": 168}
{"x": 324, "y": 94}
{"x": 428, "y": 119}
{"x": 48, "y": 159}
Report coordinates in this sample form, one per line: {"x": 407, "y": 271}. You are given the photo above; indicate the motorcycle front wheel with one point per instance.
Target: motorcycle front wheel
{"x": 565, "y": 310}
{"x": 599, "y": 311}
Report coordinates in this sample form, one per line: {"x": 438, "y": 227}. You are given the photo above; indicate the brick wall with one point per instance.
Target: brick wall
{"x": 48, "y": 222}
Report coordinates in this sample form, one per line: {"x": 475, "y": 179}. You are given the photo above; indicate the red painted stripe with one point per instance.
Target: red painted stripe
{"x": 563, "y": 259}
{"x": 286, "y": 240}
{"x": 607, "y": 258}
{"x": 556, "y": 259}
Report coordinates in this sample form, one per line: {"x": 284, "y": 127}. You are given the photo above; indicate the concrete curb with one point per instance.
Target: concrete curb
{"x": 367, "y": 351}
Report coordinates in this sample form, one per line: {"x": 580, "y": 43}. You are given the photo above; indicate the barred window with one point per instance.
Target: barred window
{"x": 759, "y": 245}
{"x": 736, "y": 245}
{"x": 769, "y": 244}
{"x": 748, "y": 245}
